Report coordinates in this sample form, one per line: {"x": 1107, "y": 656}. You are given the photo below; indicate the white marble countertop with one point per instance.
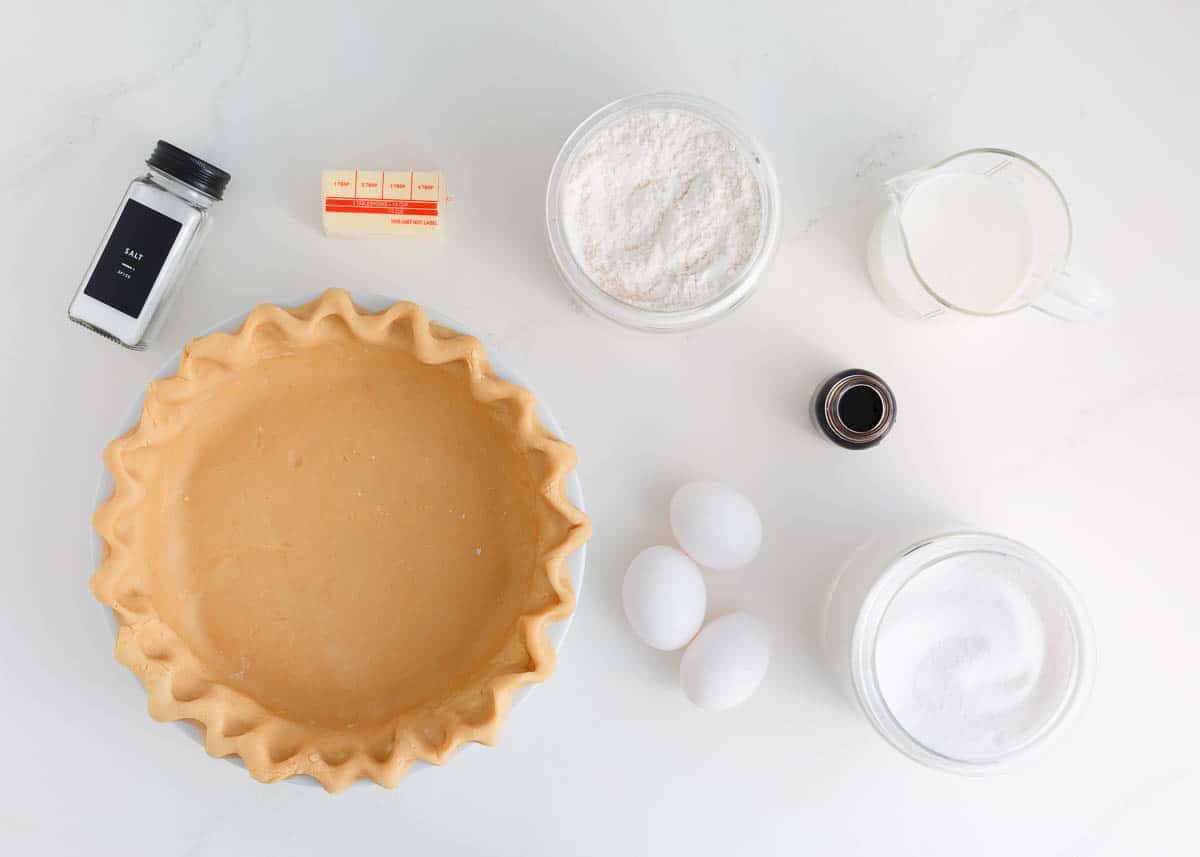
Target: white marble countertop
{"x": 1078, "y": 439}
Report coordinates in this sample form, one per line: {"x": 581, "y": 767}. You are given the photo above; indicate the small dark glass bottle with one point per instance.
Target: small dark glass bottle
{"x": 855, "y": 409}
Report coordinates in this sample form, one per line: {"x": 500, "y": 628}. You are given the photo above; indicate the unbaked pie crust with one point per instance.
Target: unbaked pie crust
{"x": 335, "y": 542}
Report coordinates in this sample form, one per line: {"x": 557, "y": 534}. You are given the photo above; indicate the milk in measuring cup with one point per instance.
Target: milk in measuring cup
{"x": 970, "y": 238}
{"x": 984, "y": 232}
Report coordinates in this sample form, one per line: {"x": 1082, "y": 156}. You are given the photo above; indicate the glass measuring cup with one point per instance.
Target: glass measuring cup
{"x": 984, "y": 232}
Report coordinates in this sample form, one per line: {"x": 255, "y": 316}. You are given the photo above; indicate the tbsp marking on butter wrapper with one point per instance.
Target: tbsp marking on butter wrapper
{"x": 381, "y": 202}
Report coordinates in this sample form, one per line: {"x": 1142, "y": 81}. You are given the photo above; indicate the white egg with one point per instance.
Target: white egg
{"x": 726, "y": 662}
{"x": 664, "y": 597}
{"x": 717, "y": 527}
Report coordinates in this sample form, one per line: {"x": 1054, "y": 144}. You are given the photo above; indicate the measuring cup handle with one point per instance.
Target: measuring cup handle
{"x": 1075, "y": 296}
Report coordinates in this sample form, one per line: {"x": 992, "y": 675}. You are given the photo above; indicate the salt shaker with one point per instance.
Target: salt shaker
{"x": 150, "y": 244}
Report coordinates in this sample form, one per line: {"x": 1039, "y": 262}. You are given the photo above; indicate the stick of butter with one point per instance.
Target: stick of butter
{"x": 381, "y": 202}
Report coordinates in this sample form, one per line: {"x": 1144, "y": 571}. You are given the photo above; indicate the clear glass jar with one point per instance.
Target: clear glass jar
{"x": 150, "y": 244}
{"x": 876, "y": 575}
{"x": 637, "y": 317}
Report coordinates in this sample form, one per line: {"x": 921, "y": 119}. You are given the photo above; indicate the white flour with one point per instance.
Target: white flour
{"x": 662, "y": 210}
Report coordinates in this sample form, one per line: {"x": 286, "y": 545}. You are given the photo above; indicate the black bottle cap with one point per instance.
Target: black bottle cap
{"x": 855, "y": 409}
{"x": 189, "y": 169}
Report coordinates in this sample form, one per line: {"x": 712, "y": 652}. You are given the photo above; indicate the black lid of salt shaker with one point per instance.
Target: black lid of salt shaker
{"x": 192, "y": 171}
{"x": 855, "y": 409}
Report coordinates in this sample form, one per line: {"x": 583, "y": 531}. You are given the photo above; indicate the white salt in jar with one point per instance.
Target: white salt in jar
{"x": 965, "y": 650}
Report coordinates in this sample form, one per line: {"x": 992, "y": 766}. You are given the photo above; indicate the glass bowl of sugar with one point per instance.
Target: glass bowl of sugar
{"x": 662, "y": 212}
{"x": 965, "y": 650}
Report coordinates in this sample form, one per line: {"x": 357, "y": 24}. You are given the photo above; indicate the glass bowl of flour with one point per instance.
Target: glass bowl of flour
{"x": 965, "y": 650}
{"x": 662, "y": 212}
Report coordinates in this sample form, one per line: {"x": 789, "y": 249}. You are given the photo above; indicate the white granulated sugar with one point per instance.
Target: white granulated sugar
{"x": 975, "y": 656}
{"x": 662, "y": 209}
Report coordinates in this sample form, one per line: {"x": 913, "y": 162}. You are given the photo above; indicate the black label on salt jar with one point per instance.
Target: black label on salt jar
{"x": 130, "y": 262}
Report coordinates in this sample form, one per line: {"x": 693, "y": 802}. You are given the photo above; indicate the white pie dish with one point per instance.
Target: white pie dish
{"x": 555, "y": 633}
